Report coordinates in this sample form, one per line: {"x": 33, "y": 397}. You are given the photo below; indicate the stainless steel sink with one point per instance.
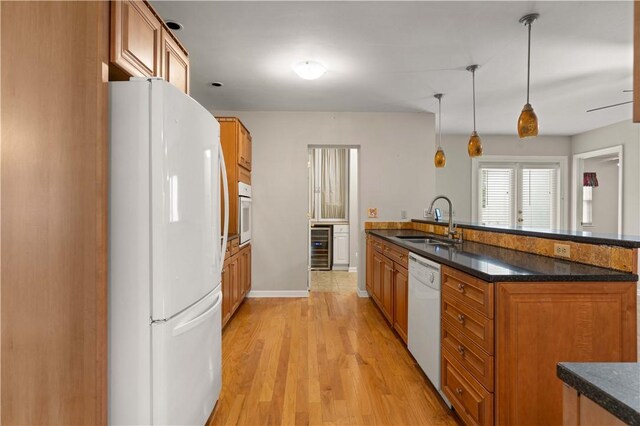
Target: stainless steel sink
{"x": 427, "y": 240}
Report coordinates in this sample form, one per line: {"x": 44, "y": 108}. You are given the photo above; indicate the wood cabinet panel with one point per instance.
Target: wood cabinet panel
{"x": 228, "y": 140}
{"x": 473, "y": 403}
{"x": 387, "y": 289}
{"x": 136, "y": 35}
{"x": 401, "y": 301}
{"x": 54, "y": 211}
{"x": 175, "y": 63}
{"x": 378, "y": 262}
{"x": 227, "y": 294}
{"x": 469, "y": 355}
{"x": 369, "y": 265}
{"x": 397, "y": 254}
{"x": 245, "y": 270}
{"x": 235, "y": 284}
{"x": 472, "y": 324}
{"x": 541, "y": 324}
{"x": 475, "y": 293}
{"x": 244, "y": 148}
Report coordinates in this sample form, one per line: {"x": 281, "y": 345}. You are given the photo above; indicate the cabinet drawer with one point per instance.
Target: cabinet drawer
{"x": 476, "y": 293}
{"x": 473, "y": 403}
{"x": 397, "y": 254}
{"x": 472, "y": 324}
{"x": 227, "y": 251}
{"x": 469, "y": 355}
{"x": 377, "y": 244}
{"x": 340, "y": 229}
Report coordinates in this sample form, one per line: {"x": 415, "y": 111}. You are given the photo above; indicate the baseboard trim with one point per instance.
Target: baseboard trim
{"x": 277, "y": 293}
{"x": 340, "y": 268}
{"x": 353, "y": 269}
{"x": 363, "y": 293}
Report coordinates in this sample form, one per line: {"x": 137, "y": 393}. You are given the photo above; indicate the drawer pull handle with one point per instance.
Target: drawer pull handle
{"x": 402, "y": 256}
{"x": 459, "y": 391}
{"x": 461, "y": 318}
{"x": 461, "y": 288}
{"x": 461, "y": 350}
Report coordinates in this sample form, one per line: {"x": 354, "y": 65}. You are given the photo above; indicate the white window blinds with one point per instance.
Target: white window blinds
{"x": 496, "y": 196}
{"x": 525, "y": 194}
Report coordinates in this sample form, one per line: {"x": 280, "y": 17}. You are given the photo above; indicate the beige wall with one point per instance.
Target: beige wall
{"x": 626, "y": 134}
{"x": 396, "y": 173}
{"x": 455, "y": 179}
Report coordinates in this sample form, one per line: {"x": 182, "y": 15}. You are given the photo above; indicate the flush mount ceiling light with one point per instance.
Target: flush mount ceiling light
{"x": 474, "y": 147}
{"x": 439, "y": 159}
{"x": 528, "y": 121}
{"x": 309, "y": 70}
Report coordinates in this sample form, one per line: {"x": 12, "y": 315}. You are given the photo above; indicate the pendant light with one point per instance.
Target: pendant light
{"x": 528, "y": 121}
{"x": 474, "y": 147}
{"x": 439, "y": 159}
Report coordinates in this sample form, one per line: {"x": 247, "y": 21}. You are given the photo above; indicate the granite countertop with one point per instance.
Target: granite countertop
{"x": 615, "y": 386}
{"x": 496, "y": 264}
{"x": 629, "y": 241}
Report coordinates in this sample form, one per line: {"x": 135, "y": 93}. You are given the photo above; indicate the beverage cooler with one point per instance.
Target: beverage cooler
{"x": 321, "y": 250}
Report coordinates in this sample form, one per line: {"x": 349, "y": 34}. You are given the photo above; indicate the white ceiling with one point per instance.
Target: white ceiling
{"x": 393, "y": 56}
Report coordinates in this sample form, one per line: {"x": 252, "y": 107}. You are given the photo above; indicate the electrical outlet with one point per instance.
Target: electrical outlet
{"x": 562, "y": 250}
{"x": 426, "y": 213}
{"x": 372, "y": 212}
{"x": 403, "y": 214}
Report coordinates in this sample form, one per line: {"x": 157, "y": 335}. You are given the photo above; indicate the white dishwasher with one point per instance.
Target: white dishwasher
{"x": 424, "y": 317}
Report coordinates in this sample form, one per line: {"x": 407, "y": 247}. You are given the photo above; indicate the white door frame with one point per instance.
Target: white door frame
{"x": 576, "y": 182}
{"x": 564, "y": 173}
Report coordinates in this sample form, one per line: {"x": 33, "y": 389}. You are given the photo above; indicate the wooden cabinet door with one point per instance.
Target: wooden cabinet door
{"x": 175, "y": 63}
{"x": 235, "y": 284}
{"x": 135, "y": 38}
{"x": 378, "y": 264}
{"x": 340, "y": 248}
{"x": 245, "y": 270}
{"x": 226, "y": 293}
{"x": 541, "y": 324}
{"x": 387, "y": 289}
{"x": 401, "y": 301}
{"x": 244, "y": 147}
{"x": 369, "y": 266}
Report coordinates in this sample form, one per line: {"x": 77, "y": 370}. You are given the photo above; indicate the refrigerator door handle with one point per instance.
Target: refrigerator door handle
{"x": 223, "y": 169}
{"x": 184, "y": 327}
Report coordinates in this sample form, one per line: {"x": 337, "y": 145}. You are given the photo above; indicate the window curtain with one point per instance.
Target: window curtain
{"x": 590, "y": 179}
{"x": 334, "y": 180}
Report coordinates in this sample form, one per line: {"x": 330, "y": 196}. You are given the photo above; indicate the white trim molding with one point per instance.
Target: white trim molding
{"x": 277, "y": 293}
{"x": 353, "y": 269}
{"x": 363, "y": 293}
{"x": 576, "y": 182}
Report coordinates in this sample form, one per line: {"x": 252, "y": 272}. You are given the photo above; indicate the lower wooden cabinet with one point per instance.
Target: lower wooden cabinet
{"x": 236, "y": 279}
{"x": 388, "y": 282}
{"x": 578, "y": 410}
{"x": 401, "y": 301}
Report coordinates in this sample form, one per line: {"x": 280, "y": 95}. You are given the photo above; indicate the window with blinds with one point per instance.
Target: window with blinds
{"x": 519, "y": 194}
{"x": 496, "y": 196}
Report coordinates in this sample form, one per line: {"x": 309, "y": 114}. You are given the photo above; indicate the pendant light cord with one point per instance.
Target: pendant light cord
{"x": 473, "y": 82}
{"x": 528, "y": 60}
{"x": 439, "y": 123}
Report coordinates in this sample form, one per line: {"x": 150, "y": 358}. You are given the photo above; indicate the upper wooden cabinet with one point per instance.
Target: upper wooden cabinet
{"x": 175, "y": 63}
{"x": 244, "y": 148}
{"x": 143, "y": 46}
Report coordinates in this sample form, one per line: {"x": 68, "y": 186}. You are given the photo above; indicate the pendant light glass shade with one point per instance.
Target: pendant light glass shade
{"x": 528, "y": 120}
{"x": 474, "y": 147}
{"x": 440, "y": 160}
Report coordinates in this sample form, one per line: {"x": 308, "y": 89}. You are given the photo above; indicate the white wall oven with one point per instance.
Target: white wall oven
{"x": 244, "y": 212}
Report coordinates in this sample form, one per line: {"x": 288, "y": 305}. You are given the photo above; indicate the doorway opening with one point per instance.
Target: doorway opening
{"x": 333, "y": 237}
{"x": 597, "y": 191}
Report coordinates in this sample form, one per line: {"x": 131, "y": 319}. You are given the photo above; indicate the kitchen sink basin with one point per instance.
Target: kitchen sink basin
{"x": 427, "y": 240}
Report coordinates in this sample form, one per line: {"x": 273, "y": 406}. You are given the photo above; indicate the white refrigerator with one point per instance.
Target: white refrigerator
{"x": 165, "y": 256}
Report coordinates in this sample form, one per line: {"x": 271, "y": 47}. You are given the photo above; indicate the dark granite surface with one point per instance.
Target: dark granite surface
{"x": 578, "y": 236}
{"x": 497, "y": 264}
{"x": 615, "y": 386}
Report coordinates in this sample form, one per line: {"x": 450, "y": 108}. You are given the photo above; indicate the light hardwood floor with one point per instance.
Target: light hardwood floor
{"x": 328, "y": 359}
{"x": 334, "y": 281}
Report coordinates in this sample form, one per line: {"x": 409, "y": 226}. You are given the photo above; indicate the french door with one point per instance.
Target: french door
{"x": 518, "y": 194}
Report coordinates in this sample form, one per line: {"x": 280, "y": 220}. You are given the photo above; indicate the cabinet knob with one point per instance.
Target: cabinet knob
{"x": 461, "y": 287}
{"x": 461, "y": 318}
{"x": 461, "y": 350}
{"x": 459, "y": 391}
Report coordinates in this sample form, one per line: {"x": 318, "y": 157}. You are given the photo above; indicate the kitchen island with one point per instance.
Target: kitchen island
{"x": 508, "y": 317}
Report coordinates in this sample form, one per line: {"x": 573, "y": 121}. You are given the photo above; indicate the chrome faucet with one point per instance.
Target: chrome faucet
{"x": 452, "y": 226}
